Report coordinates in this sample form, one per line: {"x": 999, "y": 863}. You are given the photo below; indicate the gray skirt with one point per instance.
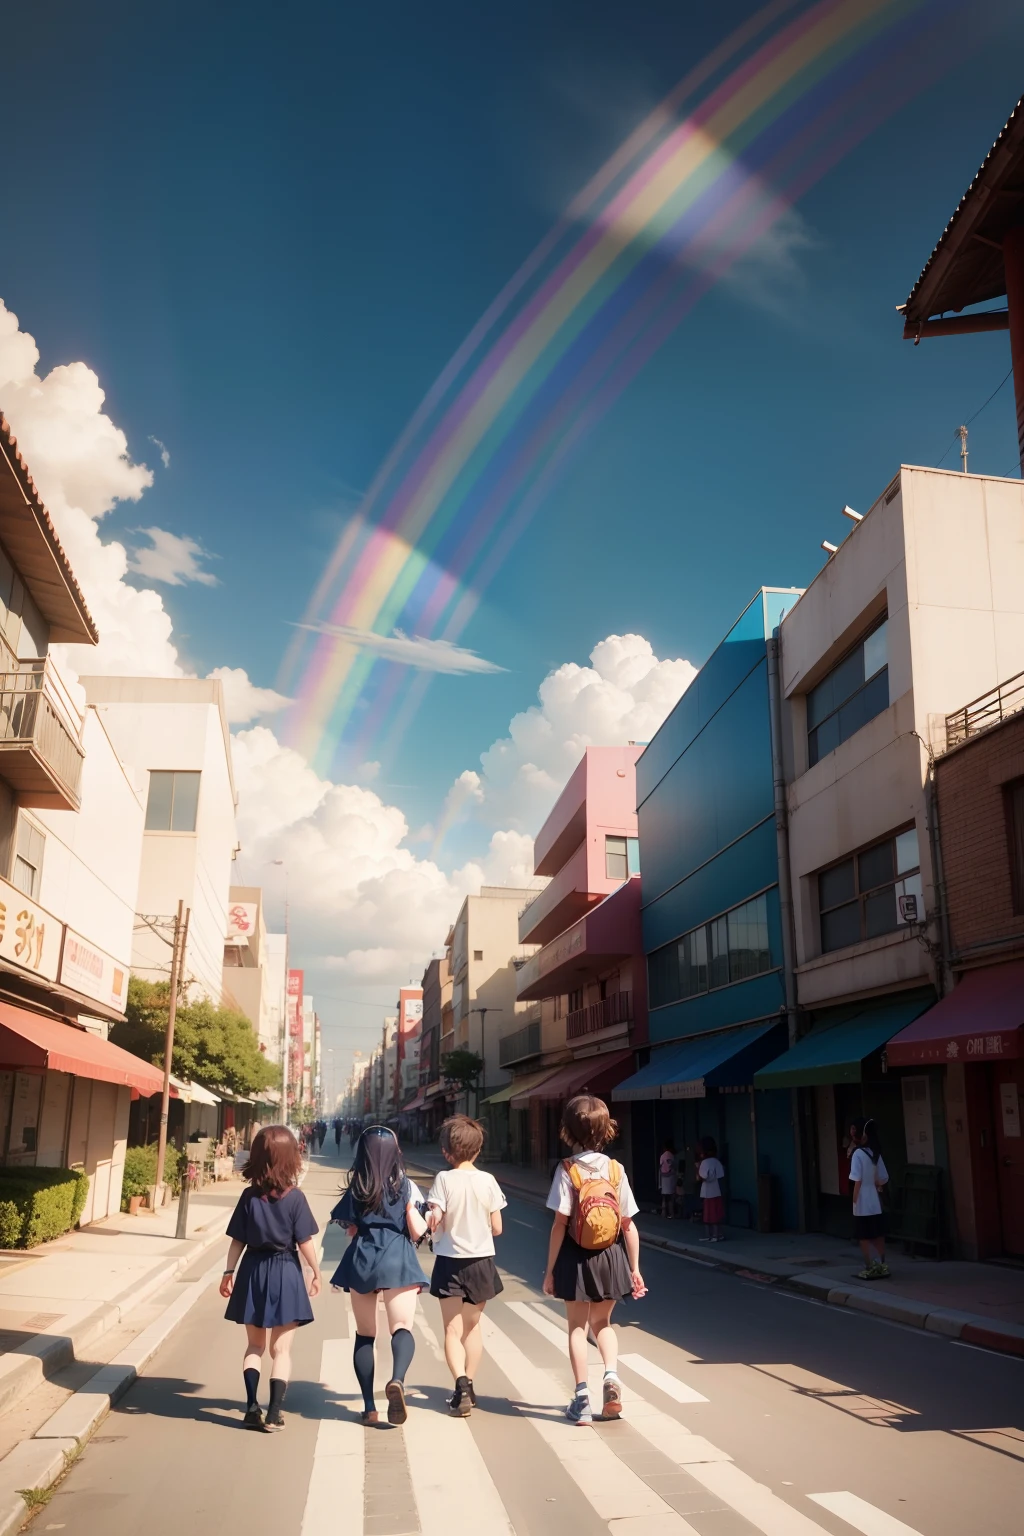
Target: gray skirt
{"x": 583, "y": 1276}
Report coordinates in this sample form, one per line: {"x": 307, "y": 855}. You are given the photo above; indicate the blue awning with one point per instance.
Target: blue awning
{"x": 728, "y": 1058}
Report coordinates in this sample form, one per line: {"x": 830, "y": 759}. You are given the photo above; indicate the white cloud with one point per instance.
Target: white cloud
{"x": 408, "y": 650}
{"x": 173, "y": 558}
{"x": 243, "y": 700}
{"x": 165, "y": 452}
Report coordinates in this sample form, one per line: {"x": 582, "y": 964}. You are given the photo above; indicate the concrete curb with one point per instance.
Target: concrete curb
{"x": 968, "y": 1327}
{"x": 39, "y": 1463}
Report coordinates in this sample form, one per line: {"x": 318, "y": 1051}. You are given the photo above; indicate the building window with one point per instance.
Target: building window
{"x": 854, "y": 692}
{"x": 478, "y": 954}
{"x": 621, "y": 857}
{"x": 730, "y": 948}
{"x": 28, "y": 858}
{"x": 575, "y": 1000}
{"x": 1015, "y": 837}
{"x": 864, "y": 896}
{"x": 173, "y": 802}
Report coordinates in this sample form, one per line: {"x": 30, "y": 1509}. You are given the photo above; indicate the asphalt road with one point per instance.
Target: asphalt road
{"x": 746, "y": 1410}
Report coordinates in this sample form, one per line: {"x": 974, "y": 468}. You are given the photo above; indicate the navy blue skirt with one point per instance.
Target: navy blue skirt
{"x": 379, "y": 1259}
{"x": 270, "y": 1290}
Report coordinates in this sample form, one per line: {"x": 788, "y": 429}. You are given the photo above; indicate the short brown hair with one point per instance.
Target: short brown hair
{"x": 587, "y": 1123}
{"x": 462, "y": 1138}
{"x": 274, "y": 1160}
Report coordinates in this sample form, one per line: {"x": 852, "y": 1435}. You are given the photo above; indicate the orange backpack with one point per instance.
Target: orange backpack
{"x": 596, "y": 1219}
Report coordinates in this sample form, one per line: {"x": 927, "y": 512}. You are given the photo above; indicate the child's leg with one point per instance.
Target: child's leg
{"x": 604, "y": 1334}
{"x": 454, "y": 1348}
{"x": 281, "y": 1352}
{"x": 578, "y": 1317}
{"x": 364, "y": 1315}
{"x": 867, "y": 1252}
{"x": 252, "y": 1364}
{"x": 400, "y": 1307}
{"x": 472, "y": 1336}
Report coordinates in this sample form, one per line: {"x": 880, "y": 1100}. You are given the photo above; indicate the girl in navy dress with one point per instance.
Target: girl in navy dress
{"x": 379, "y": 1210}
{"x": 273, "y": 1224}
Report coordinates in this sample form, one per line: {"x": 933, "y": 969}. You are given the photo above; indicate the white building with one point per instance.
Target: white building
{"x": 276, "y": 961}
{"x": 247, "y": 980}
{"x": 172, "y": 735}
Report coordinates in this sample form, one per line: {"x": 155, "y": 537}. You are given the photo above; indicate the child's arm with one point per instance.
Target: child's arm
{"x": 631, "y": 1238}
{"x": 555, "y": 1242}
{"x": 435, "y": 1218}
{"x": 308, "y": 1252}
{"x": 495, "y": 1223}
{"x": 414, "y": 1221}
{"x": 227, "y": 1279}
{"x": 856, "y": 1192}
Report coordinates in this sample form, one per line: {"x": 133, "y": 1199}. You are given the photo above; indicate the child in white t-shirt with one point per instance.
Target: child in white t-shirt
{"x": 667, "y": 1167}
{"x": 711, "y": 1175}
{"x": 868, "y": 1175}
{"x": 465, "y": 1217}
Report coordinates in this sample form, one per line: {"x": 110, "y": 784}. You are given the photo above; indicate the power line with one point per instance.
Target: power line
{"x": 988, "y": 402}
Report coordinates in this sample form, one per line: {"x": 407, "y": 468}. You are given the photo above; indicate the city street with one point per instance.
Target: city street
{"x": 746, "y": 1410}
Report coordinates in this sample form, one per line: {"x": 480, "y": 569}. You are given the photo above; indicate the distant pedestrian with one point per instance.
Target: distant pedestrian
{"x": 667, "y": 1166}
{"x": 868, "y": 1175}
{"x": 337, "y": 1137}
{"x": 465, "y": 1206}
{"x": 594, "y": 1248}
{"x": 379, "y": 1209}
{"x": 711, "y": 1175}
{"x": 270, "y": 1227}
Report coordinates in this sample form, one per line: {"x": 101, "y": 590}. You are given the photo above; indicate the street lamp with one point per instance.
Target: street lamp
{"x": 280, "y": 863}
{"x": 483, "y": 1012}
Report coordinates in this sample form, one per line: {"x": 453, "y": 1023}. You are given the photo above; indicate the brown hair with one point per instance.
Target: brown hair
{"x": 274, "y": 1160}
{"x": 587, "y": 1124}
{"x": 462, "y": 1138}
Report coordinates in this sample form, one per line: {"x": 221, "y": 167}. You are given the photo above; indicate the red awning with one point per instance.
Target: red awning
{"x": 416, "y": 1103}
{"x": 30, "y": 1040}
{"x": 980, "y": 1020}
{"x": 594, "y": 1074}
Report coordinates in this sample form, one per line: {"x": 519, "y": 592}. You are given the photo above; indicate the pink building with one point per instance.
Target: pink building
{"x": 588, "y": 981}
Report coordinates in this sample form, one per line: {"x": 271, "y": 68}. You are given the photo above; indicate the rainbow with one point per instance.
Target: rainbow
{"x": 767, "y": 114}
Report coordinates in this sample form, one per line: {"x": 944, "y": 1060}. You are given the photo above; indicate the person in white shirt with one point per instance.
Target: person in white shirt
{"x": 711, "y": 1175}
{"x": 667, "y": 1168}
{"x": 465, "y": 1206}
{"x": 868, "y": 1175}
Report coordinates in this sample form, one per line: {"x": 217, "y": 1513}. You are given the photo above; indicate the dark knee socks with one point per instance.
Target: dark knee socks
{"x": 402, "y": 1351}
{"x": 278, "y": 1388}
{"x": 362, "y": 1362}
{"x": 251, "y": 1377}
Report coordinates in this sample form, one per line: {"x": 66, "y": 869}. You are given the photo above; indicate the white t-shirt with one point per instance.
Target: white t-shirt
{"x": 870, "y": 1175}
{"x": 561, "y": 1195}
{"x": 711, "y": 1172}
{"x": 468, "y": 1197}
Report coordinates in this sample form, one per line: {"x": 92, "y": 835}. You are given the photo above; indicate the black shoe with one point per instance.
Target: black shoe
{"x": 470, "y": 1392}
{"x": 395, "y": 1394}
{"x": 253, "y": 1418}
{"x": 273, "y": 1421}
{"x": 460, "y": 1404}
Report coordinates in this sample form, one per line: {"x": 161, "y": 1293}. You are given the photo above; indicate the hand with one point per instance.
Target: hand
{"x": 639, "y": 1289}
{"x": 351, "y": 1229}
{"x": 549, "y": 1284}
{"x": 314, "y": 1286}
{"x": 227, "y": 1284}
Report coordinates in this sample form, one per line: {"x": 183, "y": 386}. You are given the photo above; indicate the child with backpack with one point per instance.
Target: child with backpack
{"x": 711, "y": 1175}
{"x": 594, "y": 1249}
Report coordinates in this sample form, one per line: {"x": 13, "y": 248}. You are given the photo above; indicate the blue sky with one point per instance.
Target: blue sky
{"x": 267, "y": 230}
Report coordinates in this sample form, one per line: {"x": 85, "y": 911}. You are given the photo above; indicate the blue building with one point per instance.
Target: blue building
{"x": 712, "y": 931}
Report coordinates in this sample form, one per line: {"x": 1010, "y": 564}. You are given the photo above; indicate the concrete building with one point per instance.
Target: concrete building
{"x": 588, "y": 980}
{"x": 247, "y": 981}
{"x": 172, "y": 735}
{"x": 430, "y": 1102}
{"x": 485, "y": 945}
{"x": 276, "y": 966}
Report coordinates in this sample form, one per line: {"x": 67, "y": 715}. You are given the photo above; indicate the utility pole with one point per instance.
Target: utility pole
{"x": 483, "y": 1012}
{"x": 961, "y": 433}
{"x": 177, "y": 959}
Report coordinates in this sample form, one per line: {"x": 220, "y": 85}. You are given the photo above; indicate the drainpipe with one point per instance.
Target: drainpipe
{"x": 943, "y": 973}
{"x": 785, "y": 899}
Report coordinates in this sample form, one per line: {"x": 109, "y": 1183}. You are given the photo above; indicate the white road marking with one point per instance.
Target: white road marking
{"x": 862, "y": 1515}
{"x": 428, "y": 1334}
{"x": 455, "y": 1494}
{"x": 538, "y": 1317}
{"x": 338, "y": 1459}
{"x": 663, "y": 1380}
{"x": 617, "y": 1494}
{"x": 753, "y": 1500}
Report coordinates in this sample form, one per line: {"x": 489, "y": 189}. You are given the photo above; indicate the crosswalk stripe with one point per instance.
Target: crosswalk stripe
{"x": 754, "y": 1501}
{"x": 537, "y": 1318}
{"x": 664, "y": 1380}
{"x": 862, "y": 1515}
{"x": 455, "y": 1494}
{"x": 615, "y": 1492}
{"x": 338, "y": 1459}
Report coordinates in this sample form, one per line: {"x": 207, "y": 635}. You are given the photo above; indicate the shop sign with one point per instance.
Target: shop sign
{"x": 1009, "y": 1102}
{"x": 981, "y": 1046}
{"x": 93, "y": 972}
{"x": 694, "y": 1089}
{"x": 29, "y": 937}
{"x": 241, "y": 922}
{"x": 295, "y": 981}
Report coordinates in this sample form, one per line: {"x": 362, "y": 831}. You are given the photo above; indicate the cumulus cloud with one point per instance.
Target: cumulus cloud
{"x": 243, "y": 700}
{"x": 408, "y": 650}
{"x": 172, "y": 558}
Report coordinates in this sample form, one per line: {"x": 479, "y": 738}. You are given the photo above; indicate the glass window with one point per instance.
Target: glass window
{"x": 1015, "y": 838}
{"x": 616, "y": 858}
{"x": 633, "y": 855}
{"x": 728, "y": 949}
{"x": 748, "y": 939}
{"x": 28, "y": 858}
{"x": 173, "y": 802}
{"x": 718, "y": 967}
{"x": 693, "y": 962}
{"x": 854, "y": 692}
{"x": 866, "y": 896}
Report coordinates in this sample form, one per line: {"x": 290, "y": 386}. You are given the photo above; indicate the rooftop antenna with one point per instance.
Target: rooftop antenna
{"x": 961, "y": 433}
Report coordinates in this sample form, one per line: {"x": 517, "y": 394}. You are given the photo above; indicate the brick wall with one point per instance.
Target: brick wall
{"x": 971, "y": 782}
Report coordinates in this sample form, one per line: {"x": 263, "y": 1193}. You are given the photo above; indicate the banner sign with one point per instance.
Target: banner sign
{"x": 295, "y": 980}
{"x": 241, "y": 922}
{"x": 93, "y": 972}
{"x": 29, "y": 937}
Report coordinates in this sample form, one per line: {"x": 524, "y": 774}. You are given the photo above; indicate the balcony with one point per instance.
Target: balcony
{"x": 609, "y": 1012}
{"x": 521, "y": 1045}
{"x": 40, "y": 737}
{"x": 992, "y": 707}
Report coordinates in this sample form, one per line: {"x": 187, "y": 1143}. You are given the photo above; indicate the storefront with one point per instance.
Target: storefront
{"x": 508, "y": 1129}
{"x": 544, "y": 1100}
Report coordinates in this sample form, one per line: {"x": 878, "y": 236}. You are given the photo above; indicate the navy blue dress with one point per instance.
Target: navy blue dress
{"x": 381, "y": 1256}
{"x": 269, "y": 1286}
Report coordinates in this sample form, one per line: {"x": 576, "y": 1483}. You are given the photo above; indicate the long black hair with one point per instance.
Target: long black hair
{"x": 868, "y": 1138}
{"x": 378, "y": 1169}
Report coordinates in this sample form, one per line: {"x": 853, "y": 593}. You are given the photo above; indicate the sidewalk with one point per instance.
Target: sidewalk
{"x": 978, "y": 1303}
{"x": 56, "y": 1299}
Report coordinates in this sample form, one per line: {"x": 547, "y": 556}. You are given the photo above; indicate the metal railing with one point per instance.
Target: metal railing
{"x": 518, "y": 1046}
{"x": 1005, "y": 699}
{"x": 617, "y": 1009}
{"x": 36, "y": 710}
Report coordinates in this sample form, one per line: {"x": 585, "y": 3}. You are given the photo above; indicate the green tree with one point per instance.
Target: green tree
{"x": 212, "y": 1045}
{"x": 462, "y": 1068}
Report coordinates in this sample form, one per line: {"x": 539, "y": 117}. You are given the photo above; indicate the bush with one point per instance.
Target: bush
{"x": 39, "y": 1204}
{"x": 140, "y": 1170}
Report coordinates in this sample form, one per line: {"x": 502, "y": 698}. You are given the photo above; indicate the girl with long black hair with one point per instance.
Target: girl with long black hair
{"x": 380, "y": 1212}
{"x": 868, "y": 1175}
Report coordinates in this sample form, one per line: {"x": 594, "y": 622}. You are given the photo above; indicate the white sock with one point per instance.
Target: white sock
{"x": 611, "y": 1373}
